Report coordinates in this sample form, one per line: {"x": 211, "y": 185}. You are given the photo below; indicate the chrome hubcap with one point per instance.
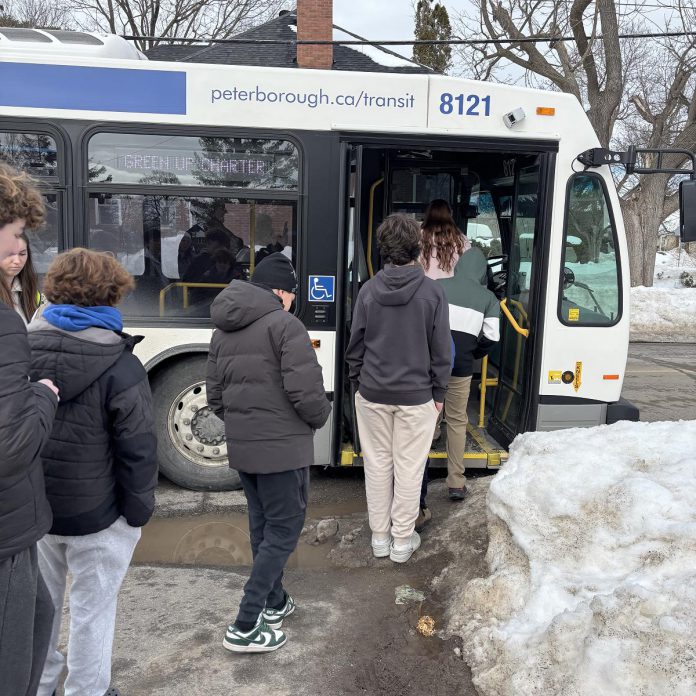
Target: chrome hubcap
{"x": 195, "y": 430}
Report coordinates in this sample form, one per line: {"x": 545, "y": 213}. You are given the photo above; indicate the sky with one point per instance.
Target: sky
{"x": 384, "y": 19}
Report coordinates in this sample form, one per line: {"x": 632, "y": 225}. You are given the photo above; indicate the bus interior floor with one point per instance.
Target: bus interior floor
{"x": 349, "y": 636}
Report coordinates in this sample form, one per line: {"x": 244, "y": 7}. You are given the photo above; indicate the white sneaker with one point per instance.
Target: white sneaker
{"x": 401, "y": 554}
{"x": 381, "y": 547}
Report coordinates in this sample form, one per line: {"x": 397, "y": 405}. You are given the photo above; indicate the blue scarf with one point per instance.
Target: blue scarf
{"x": 74, "y": 318}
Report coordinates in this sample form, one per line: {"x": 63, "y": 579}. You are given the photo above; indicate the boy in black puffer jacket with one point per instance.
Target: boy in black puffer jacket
{"x": 265, "y": 382}
{"x": 100, "y": 462}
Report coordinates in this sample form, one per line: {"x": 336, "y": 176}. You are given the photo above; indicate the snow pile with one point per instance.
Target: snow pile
{"x": 593, "y": 560}
{"x": 663, "y": 315}
{"x": 669, "y": 266}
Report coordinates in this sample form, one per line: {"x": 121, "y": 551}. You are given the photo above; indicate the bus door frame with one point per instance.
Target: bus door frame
{"x": 538, "y": 298}
{"x": 350, "y": 207}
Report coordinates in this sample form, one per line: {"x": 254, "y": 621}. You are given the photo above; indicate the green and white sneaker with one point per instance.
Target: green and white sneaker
{"x": 260, "y": 639}
{"x": 273, "y": 618}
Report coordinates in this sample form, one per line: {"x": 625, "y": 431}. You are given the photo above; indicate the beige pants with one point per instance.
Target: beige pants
{"x": 395, "y": 443}
{"x": 456, "y": 402}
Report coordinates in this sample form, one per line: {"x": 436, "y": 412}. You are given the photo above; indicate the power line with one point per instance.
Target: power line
{"x": 407, "y": 42}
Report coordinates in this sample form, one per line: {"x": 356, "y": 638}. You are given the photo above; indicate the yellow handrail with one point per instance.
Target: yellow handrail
{"x": 485, "y": 383}
{"x": 518, "y": 350}
{"x": 185, "y": 286}
{"x": 512, "y": 320}
{"x": 370, "y": 219}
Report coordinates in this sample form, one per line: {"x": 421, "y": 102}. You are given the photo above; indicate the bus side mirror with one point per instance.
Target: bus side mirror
{"x": 687, "y": 210}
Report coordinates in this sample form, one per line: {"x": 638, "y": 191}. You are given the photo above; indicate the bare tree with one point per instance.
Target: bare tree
{"x": 192, "y": 19}
{"x": 45, "y": 14}
{"x": 635, "y": 91}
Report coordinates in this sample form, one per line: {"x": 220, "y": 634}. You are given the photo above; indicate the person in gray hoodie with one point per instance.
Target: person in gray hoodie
{"x": 264, "y": 381}
{"x": 399, "y": 358}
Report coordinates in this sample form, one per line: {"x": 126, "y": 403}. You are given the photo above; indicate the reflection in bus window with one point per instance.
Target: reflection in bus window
{"x": 183, "y": 249}
{"x": 45, "y": 242}
{"x": 34, "y": 153}
{"x": 590, "y": 277}
{"x": 483, "y": 231}
{"x": 37, "y": 155}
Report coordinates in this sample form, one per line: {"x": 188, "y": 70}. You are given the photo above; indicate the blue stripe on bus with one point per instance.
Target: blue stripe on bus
{"x": 92, "y": 89}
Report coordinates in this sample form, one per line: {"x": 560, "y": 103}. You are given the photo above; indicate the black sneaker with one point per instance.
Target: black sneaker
{"x": 260, "y": 639}
{"x": 457, "y": 494}
{"x": 424, "y": 517}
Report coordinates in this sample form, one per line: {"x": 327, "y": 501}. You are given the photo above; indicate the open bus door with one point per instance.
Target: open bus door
{"x": 371, "y": 177}
{"x": 521, "y": 304}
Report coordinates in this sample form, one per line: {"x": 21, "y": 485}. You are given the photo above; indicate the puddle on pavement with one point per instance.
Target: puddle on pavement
{"x": 223, "y": 540}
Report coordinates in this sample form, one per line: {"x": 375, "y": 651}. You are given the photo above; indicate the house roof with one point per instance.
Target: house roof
{"x": 284, "y": 27}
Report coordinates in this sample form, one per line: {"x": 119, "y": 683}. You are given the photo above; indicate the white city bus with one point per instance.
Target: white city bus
{"x": 155, "y": 162}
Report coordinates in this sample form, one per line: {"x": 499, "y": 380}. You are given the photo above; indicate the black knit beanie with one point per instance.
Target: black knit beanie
{"x": 276, "y": 272}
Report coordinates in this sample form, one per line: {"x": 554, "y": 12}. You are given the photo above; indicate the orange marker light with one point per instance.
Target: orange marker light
{"x": 316, "y": 343}
{"x": 546, "y": 111}
{"x": 611, "y": 377}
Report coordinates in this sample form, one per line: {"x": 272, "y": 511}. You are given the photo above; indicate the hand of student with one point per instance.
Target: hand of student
{"x": 51, "y": 386}
{"x": 438, "y": 406}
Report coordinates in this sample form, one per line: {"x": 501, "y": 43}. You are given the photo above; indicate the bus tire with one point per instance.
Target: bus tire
{"x": 191, "y": 447}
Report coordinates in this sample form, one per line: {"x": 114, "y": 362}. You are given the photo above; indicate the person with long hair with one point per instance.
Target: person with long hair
{"x": 20, "y": 285}
{"x": 442, "y": 241}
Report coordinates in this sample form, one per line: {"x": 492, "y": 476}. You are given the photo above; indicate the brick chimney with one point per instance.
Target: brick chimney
{"x": 315, "y": 22}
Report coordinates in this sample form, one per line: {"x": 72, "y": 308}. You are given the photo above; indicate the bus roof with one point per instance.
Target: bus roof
{"x": 283, "y": 99}
{"x": 19, "y": 41}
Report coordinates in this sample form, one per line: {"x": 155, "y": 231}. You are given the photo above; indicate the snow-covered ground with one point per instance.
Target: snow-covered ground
{"x": 667, "y": 311}
{"x": 592, "y": 589}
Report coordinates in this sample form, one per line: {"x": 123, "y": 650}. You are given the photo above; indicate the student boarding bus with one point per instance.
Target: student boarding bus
{"x": 189, "y": 174}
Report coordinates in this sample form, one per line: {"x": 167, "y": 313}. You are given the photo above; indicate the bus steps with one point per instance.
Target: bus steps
{"x": 482, "y": 452}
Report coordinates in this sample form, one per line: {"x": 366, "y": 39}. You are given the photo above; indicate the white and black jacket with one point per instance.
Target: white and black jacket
{"x": 474, "y": 312}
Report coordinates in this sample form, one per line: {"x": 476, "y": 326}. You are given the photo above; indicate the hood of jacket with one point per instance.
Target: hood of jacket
{"x": 472, "y": 265}
{"x": 396, "y": 285}
{"x": 73, "y": 359}
{"x": 241, "y": 304}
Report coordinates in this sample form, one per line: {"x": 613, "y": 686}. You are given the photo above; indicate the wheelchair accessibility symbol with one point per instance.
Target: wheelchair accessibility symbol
{"x": 321, "y": 288}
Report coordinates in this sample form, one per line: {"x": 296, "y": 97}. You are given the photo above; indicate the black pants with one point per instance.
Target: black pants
{"x": 424, "y": 488}
{"x": 26, "y": 618}
{"x": 277, "y": 507}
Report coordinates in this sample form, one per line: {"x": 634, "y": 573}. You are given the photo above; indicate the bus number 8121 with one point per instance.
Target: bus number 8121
{"x": 466, "y": 105}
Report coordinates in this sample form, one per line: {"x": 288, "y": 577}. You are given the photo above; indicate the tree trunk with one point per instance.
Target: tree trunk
{"x": 642, "y": 217}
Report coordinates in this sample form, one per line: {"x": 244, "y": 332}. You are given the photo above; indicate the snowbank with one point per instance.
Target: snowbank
{"x": 665, "y": 315}
{"x": 593, "y": 560}
{"x": 669, "y": 266}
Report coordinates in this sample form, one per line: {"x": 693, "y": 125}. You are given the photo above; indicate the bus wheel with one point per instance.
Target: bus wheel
{"x": 191, "y": 445}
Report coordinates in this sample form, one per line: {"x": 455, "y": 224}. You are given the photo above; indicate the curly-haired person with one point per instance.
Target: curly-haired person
{"x": 26, "y": 417}
{"x": 100, "y": 461}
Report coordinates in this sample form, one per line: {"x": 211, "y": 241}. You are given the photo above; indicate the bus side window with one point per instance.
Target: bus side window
{"x": 590, "y": 293}
{"x": 38, "y": 155}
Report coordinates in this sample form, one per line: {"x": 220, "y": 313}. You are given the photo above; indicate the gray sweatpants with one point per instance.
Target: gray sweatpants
{"x": 26, "y": 615}
{"x": 97, "y": 564}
